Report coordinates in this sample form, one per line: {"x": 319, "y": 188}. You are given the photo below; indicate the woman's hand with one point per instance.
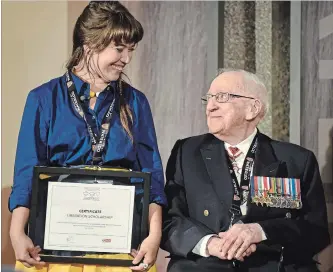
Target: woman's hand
{"x": 25, "y": 251}
{"x": 148, "y": 252}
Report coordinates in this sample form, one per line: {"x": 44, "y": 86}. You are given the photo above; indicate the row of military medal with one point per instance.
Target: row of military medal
{"x": 276, "y": 192}
{"x": 277, "y": 201}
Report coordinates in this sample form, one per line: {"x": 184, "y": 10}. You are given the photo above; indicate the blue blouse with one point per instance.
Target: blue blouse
{"x": 52, "y": 133}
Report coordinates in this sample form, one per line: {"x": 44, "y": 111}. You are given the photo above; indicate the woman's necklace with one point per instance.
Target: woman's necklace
{"x": 92, "y": 94}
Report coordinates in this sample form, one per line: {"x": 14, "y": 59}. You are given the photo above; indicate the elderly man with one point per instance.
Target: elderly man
{"x": 238, "y": 200}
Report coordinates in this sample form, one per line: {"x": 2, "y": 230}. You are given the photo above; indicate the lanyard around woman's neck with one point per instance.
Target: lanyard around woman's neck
{"x": 98, "y": 143}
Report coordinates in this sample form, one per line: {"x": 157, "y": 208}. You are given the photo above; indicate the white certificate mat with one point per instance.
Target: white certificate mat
{"x": 89, "y": 217}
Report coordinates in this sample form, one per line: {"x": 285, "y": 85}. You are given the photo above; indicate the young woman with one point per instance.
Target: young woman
{"x": 64, "y": 118}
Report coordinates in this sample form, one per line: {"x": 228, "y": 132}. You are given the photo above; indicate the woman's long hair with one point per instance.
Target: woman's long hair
{"x": 101, "y": 23}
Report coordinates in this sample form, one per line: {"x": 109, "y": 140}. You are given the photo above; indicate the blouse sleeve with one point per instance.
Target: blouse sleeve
{"x": 31, "y": 151}
{"x": 148, "y": 153}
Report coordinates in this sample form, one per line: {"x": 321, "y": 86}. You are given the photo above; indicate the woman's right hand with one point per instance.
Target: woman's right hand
{"x": 25, "y": 251}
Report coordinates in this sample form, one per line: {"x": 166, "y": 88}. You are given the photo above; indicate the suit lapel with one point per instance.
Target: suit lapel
{"x": 266, "y": 164}
{"x": 213, "y": 155}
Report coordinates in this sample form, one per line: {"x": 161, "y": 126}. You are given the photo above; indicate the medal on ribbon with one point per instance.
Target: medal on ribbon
{"x": 276, "y": 192}
{"x": 254, "y": 190}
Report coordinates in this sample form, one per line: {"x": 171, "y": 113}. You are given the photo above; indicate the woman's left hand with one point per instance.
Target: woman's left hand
{"x": 148, "y": 252}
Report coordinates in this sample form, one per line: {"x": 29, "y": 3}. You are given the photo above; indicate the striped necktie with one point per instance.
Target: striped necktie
{"x": 234, "y": 153}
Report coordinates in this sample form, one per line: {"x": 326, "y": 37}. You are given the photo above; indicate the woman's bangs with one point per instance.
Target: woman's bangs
{"x": 126, "y": 32}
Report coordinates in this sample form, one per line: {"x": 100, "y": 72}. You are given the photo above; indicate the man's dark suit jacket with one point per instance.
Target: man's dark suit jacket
{"x": 198, "y": 179}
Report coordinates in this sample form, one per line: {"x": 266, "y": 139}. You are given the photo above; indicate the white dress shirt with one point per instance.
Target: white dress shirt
{"x": 244, "y": 146}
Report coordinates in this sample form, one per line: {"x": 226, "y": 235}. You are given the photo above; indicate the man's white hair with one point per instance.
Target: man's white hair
{"x": 252, "y": 84}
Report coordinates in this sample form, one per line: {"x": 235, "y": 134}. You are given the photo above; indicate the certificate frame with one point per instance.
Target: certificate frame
{"x": 35, "y": 223}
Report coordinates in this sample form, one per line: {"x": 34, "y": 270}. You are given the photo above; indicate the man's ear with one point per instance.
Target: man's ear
{"x": 254, "y": 110}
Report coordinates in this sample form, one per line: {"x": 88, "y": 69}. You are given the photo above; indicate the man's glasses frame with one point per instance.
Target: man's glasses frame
{"x": 222, "y": 97}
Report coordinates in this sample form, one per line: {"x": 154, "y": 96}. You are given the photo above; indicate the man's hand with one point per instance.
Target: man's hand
{"x": 252, "y": 248}
{"x": 214, "y": 246}
{"x": 240, "y": 239}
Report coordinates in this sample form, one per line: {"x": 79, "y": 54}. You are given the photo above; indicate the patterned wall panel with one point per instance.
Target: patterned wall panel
{"x": 171, "y": 65}
{"x": 317, "y": 97}
{"x": 257, "y": 39}
{"x": 317, "y": 93}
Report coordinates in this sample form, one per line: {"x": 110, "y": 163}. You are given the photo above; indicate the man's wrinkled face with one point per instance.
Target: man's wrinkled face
{"x": 227, "y": 117}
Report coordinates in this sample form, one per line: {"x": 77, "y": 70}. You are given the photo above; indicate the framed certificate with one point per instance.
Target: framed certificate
{"x": 79, "y": 212}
